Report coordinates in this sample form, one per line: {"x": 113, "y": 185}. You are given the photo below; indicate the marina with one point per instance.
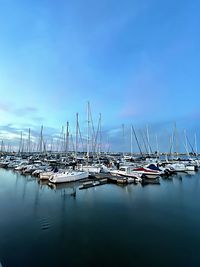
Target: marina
{"x": 108, "y": 168}
{"x": 99, "y": 133}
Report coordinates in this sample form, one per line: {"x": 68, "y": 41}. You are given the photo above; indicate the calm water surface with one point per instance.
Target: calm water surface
{"x": 110, "y": 225}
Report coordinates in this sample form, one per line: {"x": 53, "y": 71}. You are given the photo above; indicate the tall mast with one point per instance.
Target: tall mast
{"x": 81, "y": 139}
{"x": 45, "y": 145}
{"x": 7, "y": 148}
{"x": 88, "y": 130}
{"x": 77, "y": 125}
{"x": 29, "y": 140}
{"x": 145, "y": 146}
{"x": 157, "y": 149}
{"x": 51, "y": 147}
{"x": 147, "y": 129}
{"x": 123, "y": 138}
{"x": 41, "y": 139}
{"x": 176, "y": 140}
{"x": 62, "y": 139}
{"x": 172, "y": 144}
{"x": 64, "y": 142}
{"x": 72, "y": 143}
{"x": 22, "y": 149}
{"x": 20, "y": 143}
{"x": 195, "y": 144}
{"x": 186, "y": 143}
{"x": 108, "y": 144}
{"x": 97, "y": 138}
{"x": 100, "y": 134}
{"x": 92, "y": 131}
{"x": 137, "y": 141}
{"x": 2, "y": 146}
{"x": 67, "y": 138}
{"x": 131, "y": 140}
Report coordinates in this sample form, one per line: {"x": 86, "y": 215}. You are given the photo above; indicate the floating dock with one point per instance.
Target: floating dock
{"x": 104, "y": 178}
{"x": 89, "y": 184}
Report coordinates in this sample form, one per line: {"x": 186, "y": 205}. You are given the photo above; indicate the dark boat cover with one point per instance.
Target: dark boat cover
{"x": 153, "y": 167}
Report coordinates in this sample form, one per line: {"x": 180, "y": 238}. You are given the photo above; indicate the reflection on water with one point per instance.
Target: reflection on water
{"x": 190, "y": 173}
{"x": 109, "y": 225}
{"x": 65, "y": 189}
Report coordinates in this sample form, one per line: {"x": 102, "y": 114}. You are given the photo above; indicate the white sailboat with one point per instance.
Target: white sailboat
{"x": 68, "y": 176}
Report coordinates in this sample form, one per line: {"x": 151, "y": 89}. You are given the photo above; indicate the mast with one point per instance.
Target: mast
{"x": 176, "y": 140}
{"x": 45, "y": 145}
{"x": 93, "y": 144}
{"x": 88, "y": 130}
{"x": 8, "y": 148}
{"x": 157, "y": 149}
{"x": 137, "y": 141}
{"x": 191, "y": 147}
{"x": 51, "y": 146}
{"x": 72, "y": 143}
{"x": 41, "y": 139}
{"x": 20, "y": 143}
{"x": 186, "y": 143}
{"x": 2, "y": 146}
{"x": 195, "y": 144}
{"x": 29, "y": 140}
{"x": 62, "y": 139}
{"x": 131, "y": 141}
{"x": 147, "y": 129}
{"x": 23, "y": 145}
{"x": 67, "y": 139}
{"x": 80, "y": 135}
{"x": 76, "y": 147}
{"x": 97, "y": 139}
{"x": 172, "y": 144}
{"x": 100, "y": 134}
{"x": 145, "y": 146}
{"x": 123, "y": 138}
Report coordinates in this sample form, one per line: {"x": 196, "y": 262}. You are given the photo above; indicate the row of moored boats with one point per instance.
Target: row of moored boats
{"x": 134, "y": 171}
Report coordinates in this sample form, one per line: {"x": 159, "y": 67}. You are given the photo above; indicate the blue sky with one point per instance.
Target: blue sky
{"x": 137, "y": 62}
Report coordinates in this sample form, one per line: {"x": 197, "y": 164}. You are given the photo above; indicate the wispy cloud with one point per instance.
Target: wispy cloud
{"x": 13, "y": 132}
{"x": 5, "y": 107}
{"x": 128, "y": 111}
{"x": 16, "y": 113}
{"x": 25, "y": 111}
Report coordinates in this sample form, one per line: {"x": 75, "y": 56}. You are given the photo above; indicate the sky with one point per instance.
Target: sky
{"x": 136, "y": 61}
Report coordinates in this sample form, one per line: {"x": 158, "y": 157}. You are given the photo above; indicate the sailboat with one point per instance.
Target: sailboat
{"x": 68, "y": 176}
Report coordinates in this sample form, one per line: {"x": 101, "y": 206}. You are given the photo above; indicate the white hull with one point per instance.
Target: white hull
{"x": 190, "y": 168}
{"x": 126, "y": 174}
{"x": 67, "y": 177}
{"x": 149, "y": 175}
{"x": 19, "y": 168}
{"x": 178, "y": 167}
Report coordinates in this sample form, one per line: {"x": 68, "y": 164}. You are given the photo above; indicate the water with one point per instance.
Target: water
{"x": 110, "y": 225}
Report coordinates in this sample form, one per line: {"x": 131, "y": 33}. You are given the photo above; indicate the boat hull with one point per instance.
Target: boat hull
{"x": 68, "y": 177}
